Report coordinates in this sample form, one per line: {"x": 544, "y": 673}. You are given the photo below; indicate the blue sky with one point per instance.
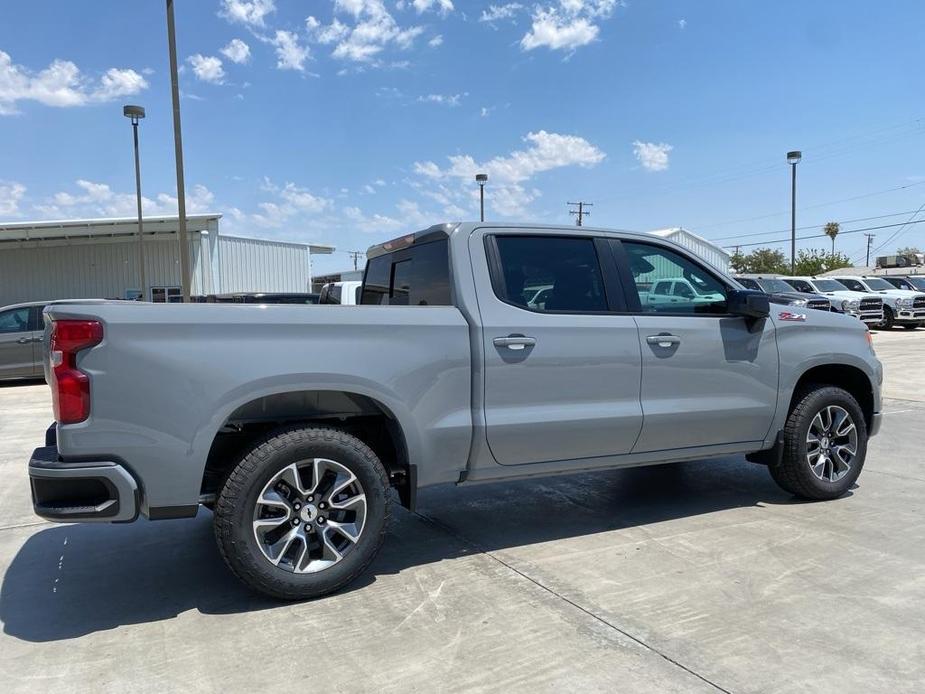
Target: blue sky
{"x": 352, "y": 121}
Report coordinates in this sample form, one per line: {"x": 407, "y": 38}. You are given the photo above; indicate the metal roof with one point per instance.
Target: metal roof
{"x": 112, "y": 226}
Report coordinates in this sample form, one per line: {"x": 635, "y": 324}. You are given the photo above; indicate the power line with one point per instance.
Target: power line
{"x": 812, "y": 226}
{"x": 902, "y": 228}
{"x": 819, "y": 236}
{"x": 809, "y": 207}
{"x": 581, "y": 213}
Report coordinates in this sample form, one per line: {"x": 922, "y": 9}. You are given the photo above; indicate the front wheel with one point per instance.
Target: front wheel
{"x": 912, "y": 326}
{"x": 825, "y": 443}
{"x": 303, "y": 513}
{"x": 888, "y": 318}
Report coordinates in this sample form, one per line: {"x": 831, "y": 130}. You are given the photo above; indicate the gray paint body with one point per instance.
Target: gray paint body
{"x": 592, "y": 393}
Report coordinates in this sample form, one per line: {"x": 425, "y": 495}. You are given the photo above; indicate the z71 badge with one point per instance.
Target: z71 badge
{"x": 788, "y": 315}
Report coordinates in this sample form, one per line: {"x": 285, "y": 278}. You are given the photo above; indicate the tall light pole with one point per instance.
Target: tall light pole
{"x": 178, "y": 147}
{"x": 793, "y": 158}
{"x": 481, "y": 179}
{"x": 136, "y": 113}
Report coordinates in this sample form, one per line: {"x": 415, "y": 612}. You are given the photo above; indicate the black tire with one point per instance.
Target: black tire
{"x": 794, "y": 473}
{"x": 235, "y": 508}
{"x": 912, "y": 326}
{"x": 888, "y": 318}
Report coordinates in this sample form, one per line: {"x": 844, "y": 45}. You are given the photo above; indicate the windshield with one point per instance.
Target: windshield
{"x": 829, "y": 286}
{"x": 772, "y": 286}
{"x": 876, "y": 284}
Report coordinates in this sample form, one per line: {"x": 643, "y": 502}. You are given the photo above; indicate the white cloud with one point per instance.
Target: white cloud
{"x": 442, "y": 6}
{"x": 290, "y": 55}
{"x": 370, "y": 28}
{"x": 11, "y": 193}
{"x": 207, "y": 68}
{"x": 682, "y": 23}
{"x": 508, "y": 175}
{"x": 248, "y": 12}
{"x": 567, "y": 25}
{"x": 237, "y": 51}
{"x": 99, "y": 200}
{"x": 486, "y": 111}
{"x": 653, "y": 156}
{"x": 436, "y": 41}
{"x": 62, "y": 85}
{"x": 290, "y": 202}
{"x": 497, "y": 13}
{"x": 451, "y": 100}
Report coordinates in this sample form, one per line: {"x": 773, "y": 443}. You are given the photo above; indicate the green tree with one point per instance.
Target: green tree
{"x": 908, "y": 250}
{"x": 831, "y": 230}
{"x": 760, "y": 261}
{"x": 817, "y": 261}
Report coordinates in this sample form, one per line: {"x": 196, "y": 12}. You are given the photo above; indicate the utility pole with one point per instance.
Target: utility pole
{"x": 178, "y": 148}
{"x": 356, "y": 256}
{"x": 870, "y": 238}
{"x": 581, "y": 212}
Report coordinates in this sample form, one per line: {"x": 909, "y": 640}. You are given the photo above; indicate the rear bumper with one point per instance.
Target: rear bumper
{"x": 81, "y": 491}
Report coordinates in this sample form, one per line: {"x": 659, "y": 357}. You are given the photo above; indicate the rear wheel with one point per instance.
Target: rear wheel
{"x": 825, "y": 443}
{"x": 912, "y": 326}
{"x": 303, "y": 513}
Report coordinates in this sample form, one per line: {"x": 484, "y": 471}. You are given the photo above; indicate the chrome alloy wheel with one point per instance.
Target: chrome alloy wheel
{"x": 831, "y": 443}
{"x": 310, "y": 515}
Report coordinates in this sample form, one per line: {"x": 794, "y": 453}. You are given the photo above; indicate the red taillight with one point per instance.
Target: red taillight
{"x": 70, "y": 387}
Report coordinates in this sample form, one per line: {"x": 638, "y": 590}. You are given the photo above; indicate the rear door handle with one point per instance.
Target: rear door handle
{"x": 24, "y": 340}
{"x": 514, "y": 341}
{"x": 663, "y": 340}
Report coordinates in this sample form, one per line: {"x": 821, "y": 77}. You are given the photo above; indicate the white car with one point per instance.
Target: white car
{"x": 900, "y": 306}
{"x": 679, "y": 290}
{"x": 344, "y": 293}
{"x": 864, "y": 305}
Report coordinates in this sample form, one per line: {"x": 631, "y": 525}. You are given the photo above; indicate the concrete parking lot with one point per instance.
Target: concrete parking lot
{"x": 696, "y": 577}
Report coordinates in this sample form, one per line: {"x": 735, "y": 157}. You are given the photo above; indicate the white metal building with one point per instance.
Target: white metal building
{"x": 713, "y": 254}
{"x": 97, "y": 258}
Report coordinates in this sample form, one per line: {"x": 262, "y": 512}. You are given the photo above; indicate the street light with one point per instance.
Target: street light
{"x": 481, "y": 179}
{"x": 793, "y": 158}
{"x": 136, "y": 113}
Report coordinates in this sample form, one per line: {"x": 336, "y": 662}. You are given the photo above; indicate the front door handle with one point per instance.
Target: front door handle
{"x": 514, "y": 341}
{"x": 665, "y": 340}
{"x": 24, "y": 340}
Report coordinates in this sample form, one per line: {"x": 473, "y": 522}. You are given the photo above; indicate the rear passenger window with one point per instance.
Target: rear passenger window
{"x": 15, "y": 320}
{"x": 550, "y": 274}
{"x": 415, "y": 276}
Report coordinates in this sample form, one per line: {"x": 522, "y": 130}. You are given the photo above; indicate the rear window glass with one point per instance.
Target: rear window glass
{"x": 414, "y": 276}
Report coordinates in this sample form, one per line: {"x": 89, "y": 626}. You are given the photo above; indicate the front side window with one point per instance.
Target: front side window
{"x": 15, "y": 320}
{"x": 749, "y": 283}
{"x": 550, "y": 274}
{"x": 695, "y": 290}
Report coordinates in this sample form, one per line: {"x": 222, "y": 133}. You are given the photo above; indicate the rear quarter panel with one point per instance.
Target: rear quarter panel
{"x": 166, "y": 378}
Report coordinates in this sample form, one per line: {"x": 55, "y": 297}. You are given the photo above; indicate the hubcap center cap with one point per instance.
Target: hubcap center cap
{"x": 825, "y": 442}
{"x": 308, "y": 513}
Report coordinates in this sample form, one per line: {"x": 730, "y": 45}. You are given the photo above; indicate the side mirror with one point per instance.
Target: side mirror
{"x": 749, "y": 303}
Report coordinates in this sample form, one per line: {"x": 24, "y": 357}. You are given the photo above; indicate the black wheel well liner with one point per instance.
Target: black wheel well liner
{"x": 845, "y": 376}
{"x": 360, "y": 415}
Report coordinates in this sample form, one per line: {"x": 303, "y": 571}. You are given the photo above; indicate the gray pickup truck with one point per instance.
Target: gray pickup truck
{"x": 293, "y": 423}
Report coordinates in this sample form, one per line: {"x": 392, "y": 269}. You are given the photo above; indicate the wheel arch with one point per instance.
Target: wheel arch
{"x": 376, "y": 420}
{"x": 845, "y": 376}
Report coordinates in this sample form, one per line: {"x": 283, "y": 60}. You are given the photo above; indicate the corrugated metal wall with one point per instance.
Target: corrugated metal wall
{"x": 255, "y": 265}
{"x": 713, "y": 255}
{"x": 84, "y": 269}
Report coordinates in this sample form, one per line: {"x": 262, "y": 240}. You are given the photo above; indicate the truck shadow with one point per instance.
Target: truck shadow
{"x": 69, "y": 581}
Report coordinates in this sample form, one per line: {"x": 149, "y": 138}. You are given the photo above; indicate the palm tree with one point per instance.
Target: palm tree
{"x": 831, "y": 230}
